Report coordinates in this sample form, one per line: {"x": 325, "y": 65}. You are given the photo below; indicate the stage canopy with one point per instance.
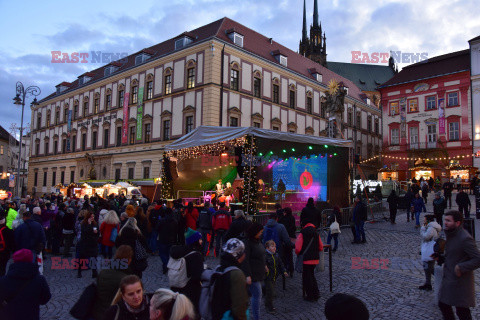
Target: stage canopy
{"x": 209, "y": 135}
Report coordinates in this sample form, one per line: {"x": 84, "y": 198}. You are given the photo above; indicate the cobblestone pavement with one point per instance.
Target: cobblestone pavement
{"x": 388, "y": 293}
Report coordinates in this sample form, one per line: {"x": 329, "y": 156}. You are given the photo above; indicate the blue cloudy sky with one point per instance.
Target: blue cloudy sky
{"x": 32, "y": 29}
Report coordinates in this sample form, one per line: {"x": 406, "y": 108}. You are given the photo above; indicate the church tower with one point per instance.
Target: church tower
{"x": 315, "y": 47}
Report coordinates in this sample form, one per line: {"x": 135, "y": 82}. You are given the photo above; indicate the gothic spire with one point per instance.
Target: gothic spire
{"x": 315, "y": 14}
{"x": 304, "y": 30}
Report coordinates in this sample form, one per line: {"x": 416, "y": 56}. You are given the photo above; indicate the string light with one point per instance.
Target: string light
{"x": 416, "y": 159}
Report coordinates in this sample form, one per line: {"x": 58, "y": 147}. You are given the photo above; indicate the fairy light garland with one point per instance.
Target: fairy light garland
{"x": 415, "y": 159}
{"x": 198, "y": 151}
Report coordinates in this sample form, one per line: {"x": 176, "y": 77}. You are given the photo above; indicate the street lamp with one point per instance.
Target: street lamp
{"x": 20, "y": 100}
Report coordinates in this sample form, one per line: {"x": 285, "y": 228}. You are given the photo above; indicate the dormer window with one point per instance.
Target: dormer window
{"x": 109, "y": 70}
{"x": 62, "y": 87}
{"x": 280, "y": 57}
{"x": 141, "y": 58}
{"x": 316, "y": 74}
{"x": 182, "y": 42}
{"x": 84, "y": 79}
{"x": 236, "y": 37}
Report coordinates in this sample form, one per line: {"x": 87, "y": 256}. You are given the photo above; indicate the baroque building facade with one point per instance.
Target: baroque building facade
{"x": 117, "y": 119}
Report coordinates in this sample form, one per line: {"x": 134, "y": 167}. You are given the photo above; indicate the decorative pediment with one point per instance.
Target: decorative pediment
{"x": 83, "y": 129}
{"x": 276, "y": 121}
{"x": 134, "y": 82}
{"x": 235, "y": 65}
{"x": 165, "y": 114}
{"x": 97, "y": 95}
{"x": 292, "y": 125}
{"x": 55, "y": 137}
{"x": 257, "y": 74}
{"x": 147, "y": 117}
{"x": 235, "y": 110}
{"x": 150, "y": 77}
{"x": 188, "y": 109}
{"x": 257, "y": 116}
{"x": 106, "y": 124}
{"x": 121, "y": 86}
{"x": 95, "y": 126}
{"x": 132, "y": 120}
{"x": 309, "y": 130}
{"x": 119, "y": 121}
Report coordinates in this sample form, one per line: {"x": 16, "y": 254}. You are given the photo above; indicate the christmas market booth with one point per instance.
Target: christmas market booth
{"x": 387, "y": 174}
{"x": 464, "y": 172}
{"x": 255, "y": 168}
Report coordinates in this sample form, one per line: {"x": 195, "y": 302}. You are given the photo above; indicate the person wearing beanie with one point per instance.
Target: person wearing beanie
{"x": 345, "y": 307}
{"x": 7, "y": 243}
{"x": 192, "y": 253}
{"x": 23, "y": 289}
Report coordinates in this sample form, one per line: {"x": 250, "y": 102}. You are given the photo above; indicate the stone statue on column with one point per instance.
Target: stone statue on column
{"x": 334, "y": 103}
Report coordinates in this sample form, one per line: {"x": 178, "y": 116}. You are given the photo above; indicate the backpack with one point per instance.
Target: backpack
{"x": 271, "y": 233}
{"x": 204, "y": 221}
{"x": 3, "y": 244}
{"x": 208, "y": 279}
{"x": 177, "y": 272}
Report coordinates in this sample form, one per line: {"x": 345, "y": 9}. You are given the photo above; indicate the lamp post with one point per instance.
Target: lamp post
{"x": 20, "y": 100}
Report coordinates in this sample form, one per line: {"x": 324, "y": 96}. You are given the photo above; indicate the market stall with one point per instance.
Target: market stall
{"x": 387, "y": 174}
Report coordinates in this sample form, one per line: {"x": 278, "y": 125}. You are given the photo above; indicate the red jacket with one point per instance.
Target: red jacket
{"x": 299, "y": 245}
{"x": 191, "y": 218}
{"x": 106, "y": 232}
{"x": 221, "y": 220}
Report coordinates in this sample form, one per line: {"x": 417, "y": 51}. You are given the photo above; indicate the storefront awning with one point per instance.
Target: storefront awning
{"x": 204, "y": 135}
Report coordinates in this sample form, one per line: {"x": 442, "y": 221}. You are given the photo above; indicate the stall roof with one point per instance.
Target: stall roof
{"x": 209, "y": 135}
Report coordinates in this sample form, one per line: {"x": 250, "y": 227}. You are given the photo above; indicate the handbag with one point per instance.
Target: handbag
{"x": 114, "y": 234}
{"x": 335, "y": 227}
{"x": 299, "y": 261}
{"x": 140, "y": 263}
{"x": 83, "y": 307}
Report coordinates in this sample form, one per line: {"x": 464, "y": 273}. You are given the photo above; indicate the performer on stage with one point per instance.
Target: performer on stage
{"x": 219, "y": 188}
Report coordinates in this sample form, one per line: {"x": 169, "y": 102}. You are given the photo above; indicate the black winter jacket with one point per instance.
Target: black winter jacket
{"x": 289, "y": 223}
{"x": 237, "y": 229}
{"x": 254, "y": 264}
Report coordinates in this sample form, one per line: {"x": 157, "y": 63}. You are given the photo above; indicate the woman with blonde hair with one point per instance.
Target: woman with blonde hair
{"x": 108, "y": 233}
{"x": 130, "y": 301}
{"x": 168, "y": 305}
{"x": 131, "y": 236}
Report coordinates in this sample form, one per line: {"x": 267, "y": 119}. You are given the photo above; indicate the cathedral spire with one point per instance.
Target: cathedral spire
{"x": 315, "y": 14}
{"x": 304, "y": 30}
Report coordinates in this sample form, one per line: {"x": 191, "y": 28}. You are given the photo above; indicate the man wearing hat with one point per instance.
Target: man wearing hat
{"x": 7, "y": 243}
{"x": 192, "y": 253}
{"x": 23, "y": 289}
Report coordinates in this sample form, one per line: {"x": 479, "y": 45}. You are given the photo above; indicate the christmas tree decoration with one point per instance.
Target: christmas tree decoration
{"x": 250, "y": 176}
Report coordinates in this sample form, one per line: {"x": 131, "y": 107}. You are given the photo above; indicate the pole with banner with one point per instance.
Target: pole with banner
{"x": 140, "y": 114}
{"x": 125, "y": 118}
{"x": 403, "y": 118}
{"x": 441, "y": 116}
{"x": 69, "y": 128}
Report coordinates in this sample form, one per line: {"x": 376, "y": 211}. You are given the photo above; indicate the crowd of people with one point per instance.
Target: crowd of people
{"x": 252, "y": 256}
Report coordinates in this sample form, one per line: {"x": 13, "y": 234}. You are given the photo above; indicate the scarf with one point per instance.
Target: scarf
{"x": 137, "y": 310}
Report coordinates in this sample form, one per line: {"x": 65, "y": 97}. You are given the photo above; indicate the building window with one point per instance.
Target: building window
{"x": 413, "y": 137}
{"x": 106, "y": 137}
{"x": 54, "y": 178}
{"x": 65, "y": 115}
{"x": 292, "y": 99}
{"x": 84, "y": 141}
{"x": 394, "y": 137}
{"x": 96, "y": 105}
{"x": 309, "y": 105}
{"x": 188, "y": 124}
{"x": 149, "y": 89}
{"x": 131, "y": 139}
{"x": 146, "y": 172}
{"x": 394, "y": 108}
{"x": 121, "y": 96}
{"x": 431, "y": 103}
{"x": 72, "y": 176}
{"x": 369, "y": 124}
{"x": 117, "y": 174}
{"x": 376, "y": 126}
{"x": 94, "y": 140}
{"x": 276, "y": 93}
{"x": 134, "y": 95}
{"x": 148, "y": 132}
{"x": 432, "y": 133}
{"x": 45, "y": 175}
{"x": 168, "y": 84}
{"x": 57, "y": 116}
{"x": 256, "y": 87}
{"x": 35, "y": 179}
{"x": 323, "y": 111}
{"x": 49, "y": 115}
{"x": 166, "y": 130}
{"x": 62, "y": 177}
{"x": 64, "y": 145}
{"x": 190, "y": 78}
{"x": 131, "y": 173}
{"x": 349, "y": 117}
{"x": 85, "y": 109}
{"x": 75, "y": 112}
{"x": 104, "y": 172}
{"x": 454, "y": 131}
{"x": 359, "y": 120}
{"x": 233, "y": 122}
{"x": 413, "y": 105}
{"x": 108, "y": 101}
{"x": 55, "y": 147}
{"x": 234, "y": 79}
{"x": 256, "y": 124}
{"x": 452, "y": 99}
{"x": 47, "y": 147}
{"x": 276, "y": 128}
{"x": 119, "y": 136}
{"x": 37, "y": 148}
{"x": 74, "y": 143}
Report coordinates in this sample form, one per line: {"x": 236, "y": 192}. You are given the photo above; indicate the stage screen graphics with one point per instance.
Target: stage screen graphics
{"x": 307, "y": 176}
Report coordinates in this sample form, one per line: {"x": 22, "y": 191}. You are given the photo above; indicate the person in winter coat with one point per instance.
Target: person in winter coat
{"x": 23, "y": 288}
{"x": 131, "y": 303}
{"x": 192, "y": 252}
{"x": 333, "y": 216}
{"x": 288, "y": 220}
{"x": 254, "y": 266}
{"x": 430, "y": 232}
{"x": 276, "y": 232}
{"x": 463, "y": 202}
{"x": 392, "y": 205}
{"x": 359, "y": 217}
{"x": 274, "y": 269}
{"x": 230, "y": 292}
{"x": 7, "y": 244}
{"x": 191, "y": 216}
{"x": 108, "y": 281}
{"x": 131, "y": 236}
{"x": 425, "y": 190}
{"x": 310, "y": 214}
{"x": 88, "y": 245}
{"x": 418, "y": 206}
{"x": 167, "y": 236}
{"x": 238, "y": 227}
{"x": 205, "y": 227}
{"x": 30, "y": 234}
{"x": 309, "y": 244}
{"x": 161, "y": 306}
{"x": 461, "y": 259}
{"x": 68, "y": 231}
{"x": 409, "y": 196}
{"x": 11, "y": 214}
{"x": 107, "y": 241}
{"x": 142, "y": 221}
{"x": 103, "y": 213}
{"x": 439, "y": 206}
{"x": 221, "y": 223}
{"x": 447, "y": 192}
